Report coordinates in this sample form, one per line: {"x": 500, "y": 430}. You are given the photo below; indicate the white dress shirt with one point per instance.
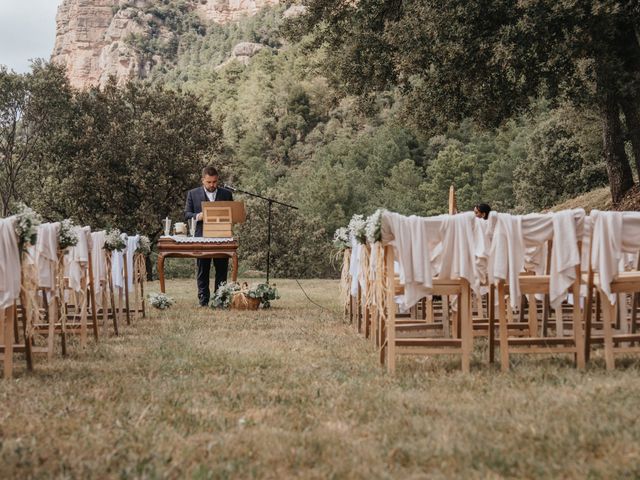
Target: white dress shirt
{"x": 211, "y": 195}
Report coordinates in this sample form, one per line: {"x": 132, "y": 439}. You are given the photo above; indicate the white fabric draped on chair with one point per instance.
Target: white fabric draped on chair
{"x": 9, "y": 263}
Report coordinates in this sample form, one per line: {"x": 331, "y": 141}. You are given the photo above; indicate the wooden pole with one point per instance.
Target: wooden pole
{"x": 453, "y": 207}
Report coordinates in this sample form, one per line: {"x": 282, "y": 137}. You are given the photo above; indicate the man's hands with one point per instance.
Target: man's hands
{"x": 198, "y": 217}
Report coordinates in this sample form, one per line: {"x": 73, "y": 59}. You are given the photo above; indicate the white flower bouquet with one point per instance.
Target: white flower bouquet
{"x": 114, "y": 240}
{"x": 160, "y": 301}
{"x": 67, "y": 235}
{"x": 27, "y": 225}
{"x": 144, "y": 245}
{"x": 357, "y": 228}
{"x": 341, "y": 238}
{"x": 374, "y": 226}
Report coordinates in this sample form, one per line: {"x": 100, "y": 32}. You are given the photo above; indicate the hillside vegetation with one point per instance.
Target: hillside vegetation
{"x": 290, "y": 133}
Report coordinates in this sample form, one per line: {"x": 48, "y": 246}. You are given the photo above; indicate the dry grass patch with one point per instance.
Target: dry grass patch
{"x": 293, "y": 392}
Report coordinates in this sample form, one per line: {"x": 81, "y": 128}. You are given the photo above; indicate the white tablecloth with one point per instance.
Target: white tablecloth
{"x": 183, "y": 239}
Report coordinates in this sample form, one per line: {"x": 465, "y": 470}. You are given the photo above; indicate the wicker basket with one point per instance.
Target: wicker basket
{"x": 240, "y": 301}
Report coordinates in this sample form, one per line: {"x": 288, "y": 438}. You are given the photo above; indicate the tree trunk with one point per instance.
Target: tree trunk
{"x": 618, "y": 168}
{"x": 632, "y": 119}
{"x": 629, "y": 52}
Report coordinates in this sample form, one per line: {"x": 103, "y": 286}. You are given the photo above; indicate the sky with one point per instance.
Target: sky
{"x": 27, "y": 30}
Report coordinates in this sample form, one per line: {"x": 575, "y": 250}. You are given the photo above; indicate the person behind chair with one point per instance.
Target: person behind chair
{"x": 208, "y": 192}
{"x": 482, "y": 210}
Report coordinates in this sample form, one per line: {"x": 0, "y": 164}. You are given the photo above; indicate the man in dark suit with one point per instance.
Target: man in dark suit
{"x": 208, "y": 192}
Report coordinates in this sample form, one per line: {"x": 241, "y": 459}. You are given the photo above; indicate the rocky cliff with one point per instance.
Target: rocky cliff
{"x": 127, "y": 38}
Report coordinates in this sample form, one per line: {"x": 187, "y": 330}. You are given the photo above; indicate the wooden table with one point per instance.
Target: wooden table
{"x": 194, "y": 248}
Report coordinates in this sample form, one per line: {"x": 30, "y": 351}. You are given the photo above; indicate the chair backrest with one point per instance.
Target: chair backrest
{"x": 443, "y": 247}
{"x": 520, "y": 239}
{"x": 98, "y": 260}
{"x": 77, "y": 259}
{"x": 46, "y": 255}
{"x": 9, "y": 263}
{"x": 612, "y": 235}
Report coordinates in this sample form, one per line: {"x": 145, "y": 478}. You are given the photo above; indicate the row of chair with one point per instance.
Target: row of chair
{"x": 557, "y": 283}
{"x": 47, "y": 292}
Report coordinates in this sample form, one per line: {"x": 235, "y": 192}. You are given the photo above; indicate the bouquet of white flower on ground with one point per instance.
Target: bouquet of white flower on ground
{"x": 160, "y": 301}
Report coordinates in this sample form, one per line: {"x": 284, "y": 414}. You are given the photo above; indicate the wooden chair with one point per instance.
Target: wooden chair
{"x": 102, "y": 295}
{"x": 455, "y": 338}
{"x": 79, "y": 308}
{"x": 455, "y": 344}
{"x": 10, "y": 281}
{"x": 619, "y": 334}
{"x": 48, "y": 322}
{"x": 345, "y": 284}
{"x": 108, "y": 304}
{"x": 535, "y": 339}
{"x": 120, "y": 286}
{"x": 138, "y": 280}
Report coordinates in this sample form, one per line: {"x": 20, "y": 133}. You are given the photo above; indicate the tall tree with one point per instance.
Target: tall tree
{"x": 135, "y": 151}
{"x": 486, "y": 59}
{"x": 34, "y": 111}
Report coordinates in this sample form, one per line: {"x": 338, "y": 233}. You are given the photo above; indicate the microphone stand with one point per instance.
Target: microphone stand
{"x": 270, "y": 201}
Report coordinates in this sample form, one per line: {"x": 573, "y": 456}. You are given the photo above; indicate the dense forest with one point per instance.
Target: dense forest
{"x": 292, "y": 123}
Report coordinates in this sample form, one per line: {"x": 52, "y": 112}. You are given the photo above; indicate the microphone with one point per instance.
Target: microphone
{"x": 228, "y": 187}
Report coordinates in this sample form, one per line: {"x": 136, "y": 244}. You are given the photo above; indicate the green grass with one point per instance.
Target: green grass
{"x": 294, "y": 392}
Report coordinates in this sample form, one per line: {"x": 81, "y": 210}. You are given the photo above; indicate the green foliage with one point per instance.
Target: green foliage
{"x": 132, "y": 154}
{"x": 265, "y": 292}
{"x": 487, "y": 60}
{"x": 558, "y": 165}
{"x": 35, "y": 111}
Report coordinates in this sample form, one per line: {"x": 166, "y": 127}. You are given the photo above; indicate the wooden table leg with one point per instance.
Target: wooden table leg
{"x": 161, "y": 271}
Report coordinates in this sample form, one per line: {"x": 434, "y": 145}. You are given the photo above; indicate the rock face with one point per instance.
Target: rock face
{"x": 94, "y": 37}
{"x": 224, "y": 11}
{"x": 242, "y": 53}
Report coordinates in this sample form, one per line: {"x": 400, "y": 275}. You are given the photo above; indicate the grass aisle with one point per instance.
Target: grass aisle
{"x": 294, "y": 392}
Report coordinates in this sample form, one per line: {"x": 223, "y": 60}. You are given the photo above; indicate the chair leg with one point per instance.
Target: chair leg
{"x": 533, "y": 315}
{"x": 578, "y": 333}
{"x": 52, "y": 316}
{"x": 588, "y": 307}
{"x": 608, "y": 312}
{"x": 492, "y": 323}
{"x": 465, "y": 319}
{"x": 504, "y": 331}
{"x": 6, "y": 323}
{"x": 545, "y": 315}
{"x": 391, "y": 317}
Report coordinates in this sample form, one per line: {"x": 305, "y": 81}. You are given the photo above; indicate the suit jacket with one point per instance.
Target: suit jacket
{"x": 195, "y": 198}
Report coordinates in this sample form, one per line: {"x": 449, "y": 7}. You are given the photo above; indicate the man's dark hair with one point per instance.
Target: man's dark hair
{"x": 484, "y": 208}
{"x": 210, "y": 171}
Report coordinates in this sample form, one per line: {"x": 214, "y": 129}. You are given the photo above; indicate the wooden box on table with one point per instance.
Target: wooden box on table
{"x": 219, "y": 218}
